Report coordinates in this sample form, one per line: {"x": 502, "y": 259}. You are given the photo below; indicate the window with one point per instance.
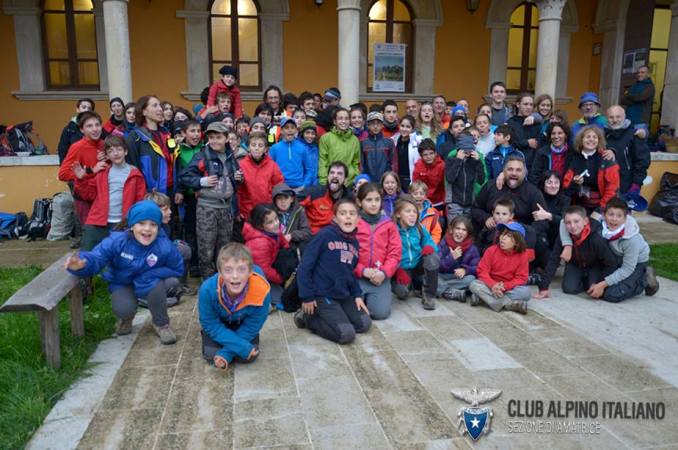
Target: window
{"x": 234, "y": 40}
{"x": 390, "y": 21}
{"x": 521, "y": 71}
{"x": 70, "y": 44}
{"x": 659, "y": 50}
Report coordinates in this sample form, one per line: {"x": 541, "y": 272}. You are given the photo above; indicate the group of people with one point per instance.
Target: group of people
{"x": 328, "y": 212}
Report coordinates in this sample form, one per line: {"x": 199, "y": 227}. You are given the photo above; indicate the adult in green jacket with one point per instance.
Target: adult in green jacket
{"x": 340, "y": 144}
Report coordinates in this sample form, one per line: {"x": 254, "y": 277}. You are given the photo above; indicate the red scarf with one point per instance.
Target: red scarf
{"x": 465, "y": 244}
{"x": 582, "y": 237}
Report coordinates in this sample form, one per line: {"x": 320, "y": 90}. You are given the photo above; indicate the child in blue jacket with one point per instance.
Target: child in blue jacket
{"x": 292, "y": 157}
{"x": 140, "y": 263}
{"x": 333, "y": 305}
{"x": 420, "y": 261}
{"x": 233, "y": 306}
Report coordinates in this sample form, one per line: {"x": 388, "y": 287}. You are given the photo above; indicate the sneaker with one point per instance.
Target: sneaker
{"x": 188, "y": 290}
{"x": 418, "y": 293}
{"x": 142, "y": 302}
{"x": 519, "y": 307}
{"x": 172, "y": 301}
{"x": 475, "y": 300}
{"x": 165, "y": 334}
{"x": 454, "y": 294}
{"x": 534, "y": 279}
{"x": 428, "y": 302}
{"x": 300, "y": 319}
{"x": 75, "y": 243}
{"x": 123, "y": 327}
{"x": 651, "y": 280}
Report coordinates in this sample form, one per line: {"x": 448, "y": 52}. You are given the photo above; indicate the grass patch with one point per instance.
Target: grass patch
{"x": 663, "y": 257}
{"x": 28, "y": 388}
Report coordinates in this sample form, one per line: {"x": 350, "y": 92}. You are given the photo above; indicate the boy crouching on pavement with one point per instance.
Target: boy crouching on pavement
{"x": 233, "y": 306}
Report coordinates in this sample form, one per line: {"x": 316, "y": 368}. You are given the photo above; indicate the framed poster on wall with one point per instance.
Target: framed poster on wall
{"x": 389, "y": 68}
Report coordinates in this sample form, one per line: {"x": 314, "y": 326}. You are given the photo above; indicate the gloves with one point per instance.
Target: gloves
{"x": 402, "y": 277}
{"x": 427, "y": 250}
{"x": 635, "y": 188}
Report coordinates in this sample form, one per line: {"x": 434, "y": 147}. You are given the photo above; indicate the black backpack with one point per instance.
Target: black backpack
{"x": 38, "y": 226}
{"x": 21, "y": 225}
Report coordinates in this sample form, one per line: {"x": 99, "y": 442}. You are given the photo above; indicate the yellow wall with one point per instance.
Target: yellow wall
{"x": 656, "y": 170}
{"x": 20, "y": 185}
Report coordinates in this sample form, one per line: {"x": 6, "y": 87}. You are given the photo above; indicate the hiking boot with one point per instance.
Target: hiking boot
{"x": 454, "y": 294}
{"x": 427, "y": 301}
{"x": 300, "y": 319}
{"x": 142, "y": 303}
{"x": 534, "y": 279}
{"x": 75, "y": 243}
{"x": 189, "y": 290}
{"x": 165, "y": 334}
{"x": 651, "y": 281}
{"x": 519, "y": 307}
{"x": 123, "y": 327}
{"x": 172, "y": 301}
{"x": 475, "y": 300}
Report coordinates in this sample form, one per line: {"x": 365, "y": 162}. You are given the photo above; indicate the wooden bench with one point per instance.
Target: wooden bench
{"x": 43, "y": 295}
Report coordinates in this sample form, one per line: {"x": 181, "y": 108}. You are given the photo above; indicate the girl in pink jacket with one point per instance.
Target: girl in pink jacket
{"x": 380, "y": 251}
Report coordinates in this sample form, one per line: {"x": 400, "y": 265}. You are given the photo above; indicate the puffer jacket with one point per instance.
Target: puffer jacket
{"x": 339, "y": 146}
{"x": 379, "y": 247}
{"x": 264, "y": 248}
{"x": 377, "y": 156}
{"x": 414, "y": 239}
{"x": 258, "y": 181}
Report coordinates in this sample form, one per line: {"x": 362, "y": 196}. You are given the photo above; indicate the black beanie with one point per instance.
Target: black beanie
{"x": 228, "y": 70}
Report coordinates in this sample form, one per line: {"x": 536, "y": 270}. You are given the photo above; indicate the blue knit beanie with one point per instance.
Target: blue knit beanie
{"x": 465, "y": 142}
{"x": 144, "y": 210}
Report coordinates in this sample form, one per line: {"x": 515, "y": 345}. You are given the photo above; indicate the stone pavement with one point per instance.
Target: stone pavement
{"x": 391, "y": 387}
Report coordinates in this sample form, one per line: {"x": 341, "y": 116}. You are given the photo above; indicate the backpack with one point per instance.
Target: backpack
{"x": 22, "y": 138}
{"x": 39, "y": 225}
{"x": 63, "y": 217}
{"x": 5, "y": 147}
{"x": 21, "y": 225}
{"x": 7, "y": 223}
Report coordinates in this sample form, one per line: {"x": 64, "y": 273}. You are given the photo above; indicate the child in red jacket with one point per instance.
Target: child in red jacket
{"x": 227, "y": 83}
{"x": 112, "y": 192}
{"x": 503, "y": 272}
{"x": 264, "y": 239}
{"x": 260, "y": 174}
{"x": 380, "y": 250}
{"x": 431, "y": 170}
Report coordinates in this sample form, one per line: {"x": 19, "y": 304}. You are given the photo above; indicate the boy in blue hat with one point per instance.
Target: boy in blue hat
{"x": 138, "y": 263}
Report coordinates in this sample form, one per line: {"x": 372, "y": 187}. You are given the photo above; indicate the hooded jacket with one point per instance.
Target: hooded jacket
{"x": 294, "y": 221}
{"x": 631, "y": 153}
{"x": 312, "y": 152}
{"x": 128, "y": 263}
{"x": 434, "y": 177}
{"x": 380, "y": 247}
{"x": 233, "y": 92}
{"x": 327, "y": 265}
{"x": 146, "y": 154}
{"x": 250, "y": 315}
{"x": 463, "y": 176}
{"x": 258, "y": 181}
{"x": 293, "y": 160}
{"x": 95, "y": 190}
{"x": 207, "y": 163}
{"x": 264, "y": 249}
{"x": 414, "y": 239}
{"x": 469, "y": 259}
{"x": 183, "y": 158}
{"x": 339, "y": 146}
{"x": 377, "y": 156}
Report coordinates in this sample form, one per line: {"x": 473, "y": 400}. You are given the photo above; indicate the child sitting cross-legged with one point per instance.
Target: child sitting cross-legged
{"x": 141, "y": 263}
{"x": 428, "y": 215}
{"x": 459, "y": 259}
{"x": 503, "y": 272}
{"x": 293, "y": 221}
{"x": 233, "y": 305}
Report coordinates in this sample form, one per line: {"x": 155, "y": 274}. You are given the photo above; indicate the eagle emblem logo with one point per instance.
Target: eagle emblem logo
{"x": 475, "y": 420}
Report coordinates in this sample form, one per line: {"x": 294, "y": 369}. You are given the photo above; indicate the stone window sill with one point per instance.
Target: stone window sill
{"x": 59, "y": 95}
{"x": 44, "y": 160}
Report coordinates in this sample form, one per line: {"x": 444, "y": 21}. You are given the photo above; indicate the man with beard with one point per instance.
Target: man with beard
{"x": 320, "y": 199}
{"x": 630, "y": 150}
{"x": 526, "y": 198}
{"x": 589, "y": 106}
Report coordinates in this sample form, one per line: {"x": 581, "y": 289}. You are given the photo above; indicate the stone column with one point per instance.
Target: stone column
{"x": 349, "y": 50}
{"x": 550, "y": 16}
{"x": 28, "y": 47}
{"x": 272, "y": 53}
{"x": 669, "y": 113}
{"x": 424, "y": 55}
{"x": 117, "y": 50}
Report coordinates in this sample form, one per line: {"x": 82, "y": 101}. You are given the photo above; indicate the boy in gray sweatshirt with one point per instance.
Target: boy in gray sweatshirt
{"x": 623, "y": 235}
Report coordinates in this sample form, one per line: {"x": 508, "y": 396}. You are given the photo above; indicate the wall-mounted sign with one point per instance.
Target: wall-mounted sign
{"x": 389, "y": 68}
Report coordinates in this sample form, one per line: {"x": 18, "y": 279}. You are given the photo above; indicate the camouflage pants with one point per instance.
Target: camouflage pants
{"x": 214, "y": 227}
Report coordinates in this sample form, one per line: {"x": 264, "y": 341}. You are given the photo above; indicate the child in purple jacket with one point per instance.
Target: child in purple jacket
{"x": 459, "y": 259}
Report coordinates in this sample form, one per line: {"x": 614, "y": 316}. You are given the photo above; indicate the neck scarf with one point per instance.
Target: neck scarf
{"x": 582, "y": 237}
{"x": 613, "y": 235}
{"x": 372, "y": 219}
{"x": 391, "y": 126}
{"x": 465, "y": 244}
{"x": 229, "y": 304}
{"x": 558, "y": 150}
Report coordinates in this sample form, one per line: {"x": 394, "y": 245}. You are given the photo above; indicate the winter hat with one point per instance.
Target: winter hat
{"x": 257, "y": 120}
{"x": 513, "y": 226}
{"x": 217, "y": 127}
{"x": 458, "y": 110}
{"x": 228, "y": 70}
{"x": 332, "y": 93}
{"x": 589, "y": 97}
{"x": 116, "y": 99}
{"x": 307, "y": 125}
{"x": 311, "y": 114}
{"x": 375, "y": 115}
{"x": 144, "y": 210}
{"x": 361, "y": 177}
{"x": 285, "y": 120}
{"x": 465, "y": 142}
{"x": 282, "y": 189}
